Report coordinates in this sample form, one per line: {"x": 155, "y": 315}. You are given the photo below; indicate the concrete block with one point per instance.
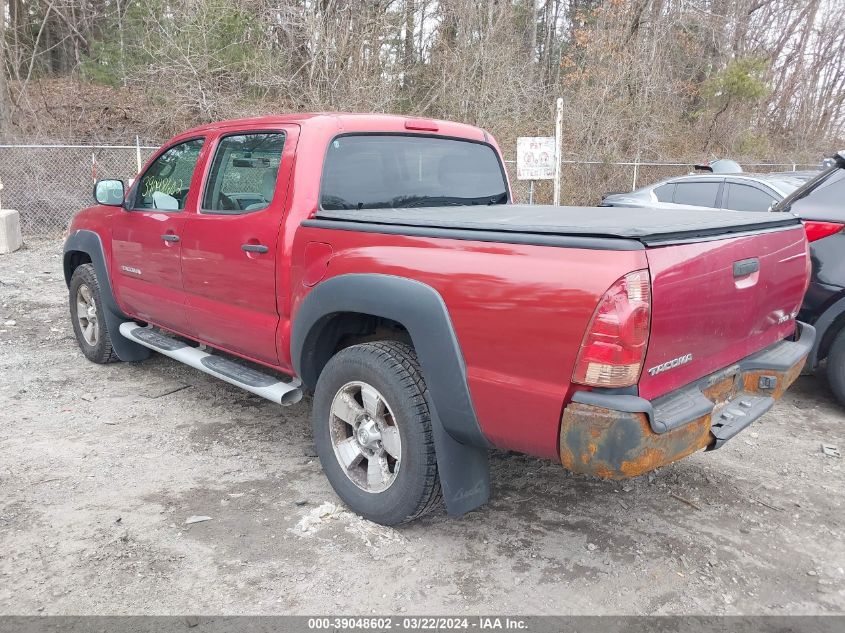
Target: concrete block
{"x": 10, "y": 231}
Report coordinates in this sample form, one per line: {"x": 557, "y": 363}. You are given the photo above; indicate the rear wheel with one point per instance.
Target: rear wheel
{"x": 372, "y": 432}
{"x": 86, "y": 314}
{"x": 836, "y": 367}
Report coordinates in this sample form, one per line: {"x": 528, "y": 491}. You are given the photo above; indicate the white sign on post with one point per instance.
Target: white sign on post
{"x": 535, "y": 158}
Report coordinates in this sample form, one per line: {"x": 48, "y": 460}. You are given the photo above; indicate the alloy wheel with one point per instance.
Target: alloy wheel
{"x": 365, "y": 437}
{"x": 86, "y": 314}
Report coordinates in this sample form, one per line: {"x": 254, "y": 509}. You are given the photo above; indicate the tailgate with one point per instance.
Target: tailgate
{"x": 716, "y": 302}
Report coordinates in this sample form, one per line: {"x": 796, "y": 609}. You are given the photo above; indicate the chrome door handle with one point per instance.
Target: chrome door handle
{"x": 254, "y": 248}
{"x": 169, "y": 237}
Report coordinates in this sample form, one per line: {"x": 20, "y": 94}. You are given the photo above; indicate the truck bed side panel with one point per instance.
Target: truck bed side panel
{"x": 519, "y": 321}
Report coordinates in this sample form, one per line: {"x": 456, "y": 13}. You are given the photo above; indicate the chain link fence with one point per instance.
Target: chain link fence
{"x": 48, "y": 184}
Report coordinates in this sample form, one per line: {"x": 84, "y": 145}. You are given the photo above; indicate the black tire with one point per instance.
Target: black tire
{"x": 393, "y": 370}
{"x": 100, "y": 351}
{"x": 836, "y": 367}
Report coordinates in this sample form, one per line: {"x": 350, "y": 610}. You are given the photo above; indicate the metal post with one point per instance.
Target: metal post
{"x": 636, "y": 172}
{"x": 138, "y": 152}
{"x": 558, "y": 125}
{"x": 530, "y": 192}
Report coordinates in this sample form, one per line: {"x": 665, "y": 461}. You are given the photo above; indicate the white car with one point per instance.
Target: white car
{"x": 733, "y": 192}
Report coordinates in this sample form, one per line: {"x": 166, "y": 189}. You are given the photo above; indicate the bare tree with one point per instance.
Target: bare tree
{"x": 5, "y": 106}
{"x": 647, "y": 78}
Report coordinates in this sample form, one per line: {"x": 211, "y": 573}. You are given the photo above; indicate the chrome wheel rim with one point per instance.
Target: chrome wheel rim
{"x": 365, "y": 437}
{"x": 86, "y": 314}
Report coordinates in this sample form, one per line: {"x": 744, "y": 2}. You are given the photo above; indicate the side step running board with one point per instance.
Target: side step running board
{"x": 252, "y": 380}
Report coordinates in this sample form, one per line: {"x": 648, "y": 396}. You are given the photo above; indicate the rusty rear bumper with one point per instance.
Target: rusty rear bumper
{"x": 617, "y": 436}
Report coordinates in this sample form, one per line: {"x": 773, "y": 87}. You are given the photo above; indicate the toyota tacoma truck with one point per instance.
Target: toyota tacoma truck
{"x": 380, "y": 263}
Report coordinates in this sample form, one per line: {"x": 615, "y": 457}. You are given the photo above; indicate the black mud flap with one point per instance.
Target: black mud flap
{"x": 464, "y": 471}
{"x": 126, "y": 350}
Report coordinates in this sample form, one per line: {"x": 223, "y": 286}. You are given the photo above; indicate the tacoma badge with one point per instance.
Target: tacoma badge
{"x": 670, "y": 364}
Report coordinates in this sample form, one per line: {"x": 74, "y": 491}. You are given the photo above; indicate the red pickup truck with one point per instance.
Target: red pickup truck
{"x": 379, "y": 262}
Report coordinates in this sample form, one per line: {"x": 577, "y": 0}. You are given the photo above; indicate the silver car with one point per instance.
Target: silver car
{"x": 735, "y": 192}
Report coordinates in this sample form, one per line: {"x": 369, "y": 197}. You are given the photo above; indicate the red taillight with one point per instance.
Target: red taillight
{"x": 818, "y": 230}
{"x": 614, "y": 345}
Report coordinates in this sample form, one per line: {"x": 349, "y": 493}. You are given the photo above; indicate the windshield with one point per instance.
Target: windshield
{"x": 395, "y": 171}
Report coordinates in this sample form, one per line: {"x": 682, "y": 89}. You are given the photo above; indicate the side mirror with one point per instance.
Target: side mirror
{"x": 109, "y": 192}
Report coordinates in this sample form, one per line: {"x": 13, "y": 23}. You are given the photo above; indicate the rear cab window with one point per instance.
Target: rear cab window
{"x": 374, "y": 171}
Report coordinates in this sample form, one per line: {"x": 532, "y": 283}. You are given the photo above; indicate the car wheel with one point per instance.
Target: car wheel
{"x": 372, "y": 432}
{"x": 836, "y": 367}
{"x": 86, "y": 314}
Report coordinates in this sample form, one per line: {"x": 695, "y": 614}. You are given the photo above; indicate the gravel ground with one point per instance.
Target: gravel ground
{"x": 101, "y": 466}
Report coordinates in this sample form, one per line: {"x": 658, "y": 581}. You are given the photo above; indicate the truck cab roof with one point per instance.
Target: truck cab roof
{"x": 349, "y": 121}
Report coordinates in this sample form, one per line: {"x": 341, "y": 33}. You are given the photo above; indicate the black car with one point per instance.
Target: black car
{"x": 820, "y": 203}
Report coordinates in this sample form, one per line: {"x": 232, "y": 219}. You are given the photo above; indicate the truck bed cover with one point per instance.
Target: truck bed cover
{"x": 645, "y": 225}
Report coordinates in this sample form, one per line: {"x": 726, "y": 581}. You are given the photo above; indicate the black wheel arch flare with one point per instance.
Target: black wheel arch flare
{"x": 89, "y": 243}
{"x": 459, "y": 442}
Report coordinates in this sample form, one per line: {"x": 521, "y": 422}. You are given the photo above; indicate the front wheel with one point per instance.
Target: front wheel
{"x": 86, "y": 314}
{"x": 372, "y": 432}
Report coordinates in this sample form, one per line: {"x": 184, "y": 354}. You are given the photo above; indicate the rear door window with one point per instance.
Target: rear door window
{"x": 243, "y": 173}
{"x": 746, "y": 198}
{"x": 400, "y": 171}
{"x": 699, "y": 194}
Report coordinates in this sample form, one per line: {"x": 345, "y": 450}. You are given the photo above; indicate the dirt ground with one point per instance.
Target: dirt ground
{"x": 101, "y": 466}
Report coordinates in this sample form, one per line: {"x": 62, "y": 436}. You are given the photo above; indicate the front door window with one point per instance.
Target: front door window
{"x": 165, "y": 185}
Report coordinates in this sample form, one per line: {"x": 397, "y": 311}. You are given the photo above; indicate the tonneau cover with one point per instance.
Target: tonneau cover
{"x": 646, "y": 225}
